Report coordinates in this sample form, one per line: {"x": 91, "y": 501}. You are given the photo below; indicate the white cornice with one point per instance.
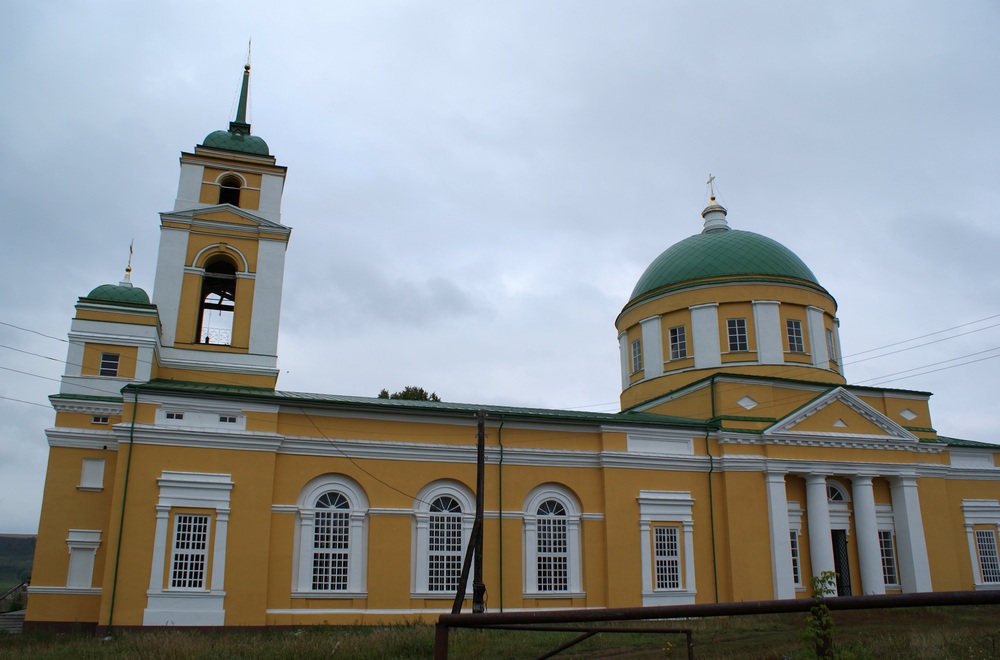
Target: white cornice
{"x": 146, "y": 434}
{"x": 894, "y": 433}
{"x": 75, "y": 438}
{"x": 84, "y": 406}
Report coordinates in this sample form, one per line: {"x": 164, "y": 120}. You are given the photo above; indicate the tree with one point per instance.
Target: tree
{"x": 410, "y": 393}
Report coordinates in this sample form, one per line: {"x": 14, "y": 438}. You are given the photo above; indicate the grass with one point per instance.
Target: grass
{"x": 958, "y": 632}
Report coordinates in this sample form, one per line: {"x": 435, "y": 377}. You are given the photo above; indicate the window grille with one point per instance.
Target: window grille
{"x": 989, "y": 563}
{"x": 190, "y": 554}
{"x": 795, "y": 342}
{"x": 331, "y": 541}
{"x": 667, "y": 558}
{"x": 678, "y": 343}
{"x": 109, "y": 364}
{"x": 737, "y": 334}
{"x": 793, "y": 537}
{"x": 444, "y": 544}
{"x": 553, "y": 550}
{"x": 888, "y": 551}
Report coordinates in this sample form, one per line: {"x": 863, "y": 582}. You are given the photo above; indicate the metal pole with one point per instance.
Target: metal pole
{"x": 478, "y": 587}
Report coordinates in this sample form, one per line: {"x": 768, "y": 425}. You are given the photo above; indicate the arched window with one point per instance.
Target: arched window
{"x": 218, "y": 302}
{"x": 444, "y": 565}
{"x": 552, "y": 546}
{"x": 229, "y": 190}
{"x": 443, "y": 514}
{"x": 331, "y": 540}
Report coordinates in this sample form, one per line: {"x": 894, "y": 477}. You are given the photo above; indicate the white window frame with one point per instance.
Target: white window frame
{"x": 189, "y": 552}
{"x": 831, "y": 346}
{"x": 666, "y": 509}
{"x": 887, "y": 552}
{"x": 110, "y": 363}
{"x": 92, "y": 475}
{"x": 793, "y": 540}
{"x": 357, "y": 546}
{"x": 984, "y": 515}
{"x": 666, "y": 557}
{"x": 736, "y": 330}
{"x": 989, "y": 560}
{"x": 636, "y": 356}
{"x": 421, "y": 534}
{"x": 793, "y": 332}
{"x": 795, "y": 527}
{"x": 678, "y": 342}
{"x": 202, "y": 493}
{"x": 574, "y": 549}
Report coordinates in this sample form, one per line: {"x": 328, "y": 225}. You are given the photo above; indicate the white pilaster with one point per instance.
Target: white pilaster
{"x": 817, "y": 337}
{"x": 307, "y": 524}
{"x": 189, "y": 187}
{"x": 705, "y": 334}
{"x": 866, "y": 528}
{"x": 914, "y": 567}
{"x": 270, "y": 197}
{"x": 623, "y": 354}
{"x": 818, "y": 520}
{"x": 169, "y": 279}
{"x": 652, "y": 347}
{"x": 781, "y": 549}
{"x": 159, "y": 547}
{"x": 767, "y": 325}
{"x": 267, "y": 297}
{"x": 219, "y": 550}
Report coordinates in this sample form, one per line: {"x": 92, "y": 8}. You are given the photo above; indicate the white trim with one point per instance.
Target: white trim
{"x": 357, "y": 549}
{"x": 767, "y": 332}
{"x": 707, "y": 350}
{"x": 913, "y": 563}
{"x": 64, "y": 591}
{"x": 574, "y": 546}
{"x": 420, "y": 532}
{"x": 83, "y": 545}
{"x": 666, "y": 507}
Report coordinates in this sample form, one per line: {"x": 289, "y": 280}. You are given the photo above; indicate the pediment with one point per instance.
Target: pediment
{"x": 224, "y": 213}
{"x": 838, "y": 414}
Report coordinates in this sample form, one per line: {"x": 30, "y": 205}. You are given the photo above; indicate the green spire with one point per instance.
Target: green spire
{"x": 241, "y": 125}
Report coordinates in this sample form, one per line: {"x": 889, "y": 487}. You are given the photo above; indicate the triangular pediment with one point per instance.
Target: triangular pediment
{"x": 227, "y": 214}
{"x": 838, "y": 414}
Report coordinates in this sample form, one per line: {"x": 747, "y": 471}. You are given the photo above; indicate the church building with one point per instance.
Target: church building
{"x": 184, "y": 489}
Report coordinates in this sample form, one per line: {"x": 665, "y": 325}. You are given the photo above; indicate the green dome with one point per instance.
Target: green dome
{"x": 236, "y": 141}
{"x": 722, "y": 253}
{"x": 117, "y": 293}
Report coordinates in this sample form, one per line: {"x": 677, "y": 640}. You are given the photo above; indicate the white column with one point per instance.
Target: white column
{"x": 645, "y": 543}
{"x": 866, "y": 528}
{"x": 652, "y": 347}
{"x": 781, "y": 549}
{"x": 159, "y": 547}
{"x": 689, "y": 556}
{"x": 914, "y": 567}
{"x": 219, "y": 550}
{"x": 818, "y": 518}
{"x": 977, "y": 574}
{"x": 625, "y": 359}
{"x": 767, "y": 325}
{"x": 705, "y": 335}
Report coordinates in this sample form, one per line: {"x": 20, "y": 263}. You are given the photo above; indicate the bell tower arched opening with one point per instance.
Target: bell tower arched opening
{"x": 229, "y": 190}
{"x": 218, "y": 302}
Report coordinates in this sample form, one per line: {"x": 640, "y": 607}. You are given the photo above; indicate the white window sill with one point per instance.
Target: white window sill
{"x": 554, "y": 594}
{"x": 329, "y": 594}
{"x": 65, "y": 591}
{"x": 90, "y": 489}
{"x": 437, "y": 595}
{"x": 989, "y": 586}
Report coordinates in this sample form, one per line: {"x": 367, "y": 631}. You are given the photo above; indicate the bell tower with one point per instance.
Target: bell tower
{"x": 221, "y": 261}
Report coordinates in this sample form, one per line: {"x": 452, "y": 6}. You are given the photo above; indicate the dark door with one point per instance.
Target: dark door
{"x": 841, "y": 563}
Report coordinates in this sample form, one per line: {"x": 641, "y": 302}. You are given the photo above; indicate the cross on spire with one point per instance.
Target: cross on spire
{"x": 711, "y": 186}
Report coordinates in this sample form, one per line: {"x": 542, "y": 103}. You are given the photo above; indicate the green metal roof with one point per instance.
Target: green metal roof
{"x": 417, "y": 407}
{"x": 957, "y": 442}
{"x": 722, "y": 253}
{"x": 117, "y": 293}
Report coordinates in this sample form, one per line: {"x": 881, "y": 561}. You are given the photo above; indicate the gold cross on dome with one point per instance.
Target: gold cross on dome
{"x": 711, "y": 185}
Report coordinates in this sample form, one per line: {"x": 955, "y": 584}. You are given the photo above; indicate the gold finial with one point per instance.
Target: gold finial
{"x": 128, "y": 267}
{"x": 711, "y": 186}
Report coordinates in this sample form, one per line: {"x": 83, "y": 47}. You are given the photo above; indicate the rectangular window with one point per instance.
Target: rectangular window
{"x": 831, "y": 348}
{"x": 888, "y": 550}
{"x": 99, "y": 419}
{"x": 678, "y": 343}
{"x": 989, "y": 563}
{"x": 737, "y": 334}
{"x": 190, "y": 555}
{"x": 331, "y": 539}
{"x": 795, "y": 343}
{"x": 109, "y": 364}
{"x": 666, "y": 558}
{"x": 175, "y": 415}
{"x": 793, "y": 538}
{"x": 227, "y": 419}
{"x": 636, "y": 356}
{"x": 553, "y": 554}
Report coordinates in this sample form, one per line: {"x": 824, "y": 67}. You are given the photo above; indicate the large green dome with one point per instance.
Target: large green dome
{"x": 722, "y": 253}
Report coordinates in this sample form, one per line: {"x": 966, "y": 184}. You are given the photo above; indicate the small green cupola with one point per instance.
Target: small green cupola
{"x": 238, "y": 137}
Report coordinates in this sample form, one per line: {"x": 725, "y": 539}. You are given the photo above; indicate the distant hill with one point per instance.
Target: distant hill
{"x": 16, "y": 554}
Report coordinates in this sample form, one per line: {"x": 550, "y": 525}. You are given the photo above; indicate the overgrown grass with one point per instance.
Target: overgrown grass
{"x": 958, "y": 632}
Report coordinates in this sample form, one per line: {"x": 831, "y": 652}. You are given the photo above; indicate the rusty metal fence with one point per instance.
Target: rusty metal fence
{"x": 551, "y": 619}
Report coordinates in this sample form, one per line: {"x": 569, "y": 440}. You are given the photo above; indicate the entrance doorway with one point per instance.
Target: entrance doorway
{"x": 841, "y": 562}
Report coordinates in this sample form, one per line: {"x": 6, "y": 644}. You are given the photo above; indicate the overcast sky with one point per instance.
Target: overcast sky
{"x": 475, "y": 187}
